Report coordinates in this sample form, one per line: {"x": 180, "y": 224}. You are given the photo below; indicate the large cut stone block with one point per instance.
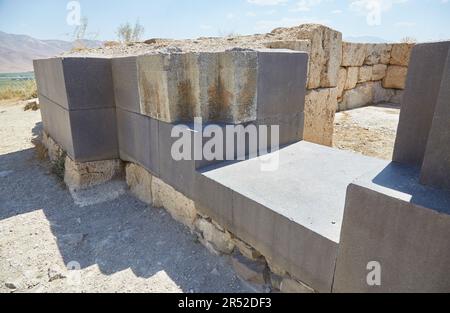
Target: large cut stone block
{"x": 395, "y": 77}
{"x": 76, "y": 83}
{"x": 401, "y": 53}
{"x": 292, "y": 215}
{"x": 419, "y": 101}
{"x": 325, "y": 53}
{"x": 50, "y": 81}
{"x": 281, "y": 83}
{"x": 353, "y": 54}
{"x": 86, "y": 135}
{"x": 378, "y": 53}
{"x": 360, "y": 96}
{"x": 126, "y": 87}
{"x": 138, "y": 140}
{"x": 436, "y": 165}
{"x": 172, "y": 89}
{"x": 403, "y": 226}
{"x": 56, "y": 122}
{"x": 320, "y": 110}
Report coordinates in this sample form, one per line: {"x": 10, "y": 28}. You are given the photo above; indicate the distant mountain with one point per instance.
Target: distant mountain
{"x": 365, "y": 39}
{"x": 18, "y": 51}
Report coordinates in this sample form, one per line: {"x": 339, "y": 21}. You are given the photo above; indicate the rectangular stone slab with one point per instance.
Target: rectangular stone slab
{"x": 419, "y": 101}
{"x": 138, "y": 140}
{"x": 304, "y": 199}
{"x": 392, "y": 219}
{"x": 126, "y": 87}
{"x": 50, "y": 80}
{"x": 76, "y": 83}
{"x": 281, "y": 86}
{"x": 86, "y": 135}
{"x": 94, "y": 135}
{"x": 436, "y": 166}
{"x": 57, "y": 124}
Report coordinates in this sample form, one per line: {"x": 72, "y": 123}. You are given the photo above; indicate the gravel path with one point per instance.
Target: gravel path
{"x": 120, "y": 246}
{"x": 370, "y": 130}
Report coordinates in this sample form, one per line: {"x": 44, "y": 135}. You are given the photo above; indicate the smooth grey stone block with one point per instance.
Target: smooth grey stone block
{"x": 421, "y": 95}
{"x": 292, "y": 215}
{"x": 57, "y": 124}
{"x": 50, "y": 80}
{"x": 86, "y": 135}
{"x": 89, "y": 83}
{"x": 282, "y": 76}
{"x": 178, "y": 174}
{"x": 436, "y": 165}
{"x": 94, "y": 134}
{"x": 76, "y": 83}
{"x": 138, "y": 140}
{"x": 392, "y": 219}
{"x": 126, "y": 90}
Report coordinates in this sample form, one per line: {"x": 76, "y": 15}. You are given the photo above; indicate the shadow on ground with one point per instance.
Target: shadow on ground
{"x": 116, "y": 235}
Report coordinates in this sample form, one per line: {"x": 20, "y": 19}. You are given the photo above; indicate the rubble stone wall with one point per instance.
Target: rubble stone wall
{"x": 343, "y": 75}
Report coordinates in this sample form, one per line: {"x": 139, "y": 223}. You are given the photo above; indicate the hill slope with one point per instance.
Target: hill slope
{"x": 18, "y": 51}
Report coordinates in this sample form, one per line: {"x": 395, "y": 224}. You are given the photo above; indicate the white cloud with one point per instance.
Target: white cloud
{"x": 267, "y": 2}
{"x": 305, "y": 5}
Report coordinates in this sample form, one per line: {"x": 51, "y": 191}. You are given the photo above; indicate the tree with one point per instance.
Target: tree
{"x": 127, "y": 33}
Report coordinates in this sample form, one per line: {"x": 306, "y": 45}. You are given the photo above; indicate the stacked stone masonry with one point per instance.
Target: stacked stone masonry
{"x": 292, "y": 228}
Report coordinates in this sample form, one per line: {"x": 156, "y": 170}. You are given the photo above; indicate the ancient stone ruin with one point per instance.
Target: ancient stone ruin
{"x": 323, "y": 216}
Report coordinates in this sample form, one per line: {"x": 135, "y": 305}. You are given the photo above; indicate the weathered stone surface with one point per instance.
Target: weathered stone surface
{"x": 436, "y": 165}
{"x": 352, "y": 78}
{"x": 140, "y": 182}
{"x": 378, "y": 53}
{"x": 276, "y": 280}
{"x": 398, "y": 96}
{"x": 395, "y": 77}
{"x": 246, "y": 250}
{"x": 341, "y": 82}
{"x": 172, "y": 89}
{"x": 401, "y": 54}
{"x": 365, "y": 74}
{"x": 381, "y": 94}
{"x": 275, "y": 268}
{"x": 296, "y": 45}
{"x": 220, "y": 240}
{"x": 180, "y": 207}
{"x": 252, "y": 271}
{"x": 54, "y": 150}
{"x": 379, "y": 71}
{"x": 325, "y": 54}
{"x": 84, "y": 175}
{"x": 320, "y": 109}
{"x": 360, "y": 96}
{"x": 423, "y": 86}
{"x": 289, "y": 285}
{"x": 353, "y": 54}
{"x": 404, "y": 226}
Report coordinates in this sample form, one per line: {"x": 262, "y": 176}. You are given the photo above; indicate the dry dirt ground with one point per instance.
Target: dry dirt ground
{"x": 120, "y": 246}
{"x": 370, "y": 130}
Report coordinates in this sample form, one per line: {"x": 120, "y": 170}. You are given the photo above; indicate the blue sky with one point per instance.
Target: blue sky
{"x": 424, "y": 20}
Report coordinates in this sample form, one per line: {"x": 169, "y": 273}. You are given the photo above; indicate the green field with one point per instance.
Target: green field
{"x": 15, "y": 79}
{"x": 17, "y": 86}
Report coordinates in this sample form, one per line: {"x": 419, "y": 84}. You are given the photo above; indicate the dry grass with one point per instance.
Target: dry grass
{"x": 19, "y": 91}
{"x": 41, "y": 150}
